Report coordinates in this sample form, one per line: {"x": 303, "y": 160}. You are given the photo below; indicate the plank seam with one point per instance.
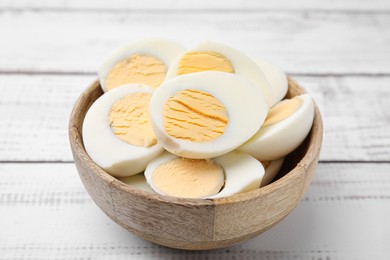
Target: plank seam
{"x": 71, "y": 161}
{"x": 194, "y": 11}
{"x": 293, "y": 74}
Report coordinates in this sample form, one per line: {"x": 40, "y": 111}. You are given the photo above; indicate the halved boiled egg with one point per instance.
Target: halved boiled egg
{"x": 223, "y": 176}
{"x": 206, "y": 114}
{"x": 137, "y": 181}
{"x": 276, "y": 77}
{"x": 117, "y": 133}
{"x": 285, "y": 128}
{"x": 210, "y": 56}
{"x": 271, "y": 170}
{"x": 242, "y": 173}
{"x": 144, "y": 62}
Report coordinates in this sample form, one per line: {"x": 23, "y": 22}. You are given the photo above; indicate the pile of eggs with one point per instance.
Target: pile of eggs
{"x": 202, "y": 123}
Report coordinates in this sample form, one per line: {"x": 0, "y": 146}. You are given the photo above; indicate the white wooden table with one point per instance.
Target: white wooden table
{"x": 338, "y": 50}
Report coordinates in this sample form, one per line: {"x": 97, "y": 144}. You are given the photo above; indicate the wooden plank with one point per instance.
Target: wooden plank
{"x": 34, "y": 123}
{"x": 299, "y": 42}
{"x": 231, "y": 5}
{"x": 47, "y": 214}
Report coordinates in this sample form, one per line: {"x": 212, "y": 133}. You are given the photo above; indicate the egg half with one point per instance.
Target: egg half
{"x": 223, "y": 176}
{"x": 206, "y": 114}
{"x": 242, "y": 173}
{"x": 137, "y": 181}
{"x": 210, "y": 56}
{"x": 144, "y": 62}
{"x": 272, "y": 168}
{"x": 276, "y": 78}
{"x": 117, "y": 133}
{"x": 285, "y": 128}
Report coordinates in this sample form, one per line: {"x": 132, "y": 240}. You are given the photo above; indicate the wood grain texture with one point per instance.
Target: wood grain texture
{"x": 34, "y": 128}
{"x": 224, "y": 5}
{"x": 196, "y": 224}
{"x": 60, "y": 221}
{"x": 299, "y": 42}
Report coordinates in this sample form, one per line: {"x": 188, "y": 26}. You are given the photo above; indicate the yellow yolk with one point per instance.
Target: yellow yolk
{"x": 189, "y": 178}
{"x": 266, "y": 164}
{"x": 195, "y": 116}
{"x": 204, "y": 61}
{"x": 142, "y": 69}
{"x": 129, "y": 120}
{"x": 282, "y": 110}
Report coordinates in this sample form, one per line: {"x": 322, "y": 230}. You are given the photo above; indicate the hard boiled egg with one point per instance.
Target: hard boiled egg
{"x": 137, "y": 181}
{"x": 242, "y": 173}
{"x": 206, "y": 114}
{"x": 117, "y": 133}
{"x": 210, "y": 56}
{"x": 271, "y": 170}
{"x": 144, "y": 62}
{"x": 223, "y": 176}
{"x": 285, "y": 128}
{"x": 276, "y": 77}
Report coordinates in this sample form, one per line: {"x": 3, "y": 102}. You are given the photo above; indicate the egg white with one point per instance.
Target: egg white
{"x": 277, "y": 79}
{"x": 243, "y": 101}
{"x": 137, "y": 181}
{"x": 271, "y": 171}
{"x": 278, "y": 140}
{"x": 115, "y": 156}
{"x": 242, "y": 64}
{"x": 164, "y": 50}
{"x": 242, "y": 173}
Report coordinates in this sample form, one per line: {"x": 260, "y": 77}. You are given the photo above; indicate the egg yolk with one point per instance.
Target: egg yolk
{"x": 204, "y": 61}
{"x": 195, "y": 116}
{"x": 129, "y": 120}
{"x": 282, "y": 110}
{"x": 141, "y": 69}
{"x": 189, "y": 178}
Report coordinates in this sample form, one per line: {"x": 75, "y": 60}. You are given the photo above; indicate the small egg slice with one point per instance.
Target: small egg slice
{"x": 137, "y": 181}
{"x": 144, "y": 62}
{"x": 276, "y": 77}
{"x": 117, "y": 133}
{"x": 176, "y": 176}
{"x": 271, "y": 170}
{"x": 242, "y": 173}
{"x": 206, "y": 114}
{"x": 181, "y": 177}
{"x": 285, "y": 128}
{"x": 210, "y": 56}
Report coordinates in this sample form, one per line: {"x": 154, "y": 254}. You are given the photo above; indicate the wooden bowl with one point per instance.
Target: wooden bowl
{"x": 196, "y": 223}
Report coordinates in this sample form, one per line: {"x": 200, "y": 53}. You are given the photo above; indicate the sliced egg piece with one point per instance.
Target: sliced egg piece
{"x": 277, "y": 78}
{"x": 242, "y": 173}
{"x": 117, "y": 132}
{"x": 285, "y": 128}
{"x": 144, "y": 62}
{"x": 137, "y": 181}
{"x": 206, "y": 114}
{"x": 210, "y": 56}
{"x": 181, "y": 177}
{"x": 271, "y": 170}
{"x": 223, "y": 176}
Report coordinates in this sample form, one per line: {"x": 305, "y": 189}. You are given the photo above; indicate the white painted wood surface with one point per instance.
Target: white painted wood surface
{"x": 222, "y": 5}
{"x": 35, "y": 127}
{"x": 343, "y": 216}
{"x": 299, "y": 42}
{"x": 338, "y": 50}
